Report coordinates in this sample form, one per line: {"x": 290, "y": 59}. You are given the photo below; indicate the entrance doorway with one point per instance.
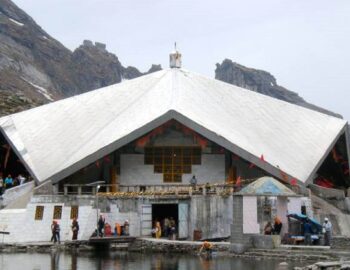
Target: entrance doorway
{"x": 161, "y": 211}
{"x": 179, "y": 212}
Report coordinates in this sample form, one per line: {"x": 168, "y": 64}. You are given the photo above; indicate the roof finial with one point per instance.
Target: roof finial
{"x": 175, "y": 58}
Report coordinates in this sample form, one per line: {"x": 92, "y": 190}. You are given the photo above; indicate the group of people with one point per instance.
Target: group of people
{"x": 274, "y": 228}
{"x": 167, "y": 230}
{"x": 326, "y": 231}
{"x": 10, "y": 182}
{"x": 308, "y": 230}
{"x": 105, "y": 229}
{"x": 56, "y": 229}
{"x": 193, "y": 183}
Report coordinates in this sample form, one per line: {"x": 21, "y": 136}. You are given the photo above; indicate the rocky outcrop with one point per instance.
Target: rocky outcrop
{"x": 262, "y": 82}
{"x": 38, "y": 69}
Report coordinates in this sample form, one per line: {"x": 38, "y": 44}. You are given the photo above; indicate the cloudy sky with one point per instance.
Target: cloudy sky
{"x": 304, "y": 44}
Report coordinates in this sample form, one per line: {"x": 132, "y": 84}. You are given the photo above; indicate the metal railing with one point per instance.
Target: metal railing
{"x": 159, "y": 189}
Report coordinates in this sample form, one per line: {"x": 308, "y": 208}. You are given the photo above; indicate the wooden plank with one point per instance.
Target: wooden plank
{"x": 112, "y": 239}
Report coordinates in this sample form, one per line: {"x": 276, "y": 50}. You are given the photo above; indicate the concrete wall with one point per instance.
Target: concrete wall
{"x": 282, "y": 210}
{"x": 237, "y": 235}
{"x": 133, "y": 171}
{"x": 14, "y": 193}
{"x": 250, "y": 215}
{"x": 294, "y": 205}
{"x": 13, "y": 220}
{"x": 327, "y": 193}
{"x": 212, "y": 215}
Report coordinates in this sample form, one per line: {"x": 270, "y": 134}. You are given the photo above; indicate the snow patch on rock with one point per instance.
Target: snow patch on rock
{"x": 16, "y": 22}
{"x": 41, "y": 90}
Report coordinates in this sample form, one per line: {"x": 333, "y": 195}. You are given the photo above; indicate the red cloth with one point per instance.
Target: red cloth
{"x": 323, "y": 182}
{"x": 262, "y": 158}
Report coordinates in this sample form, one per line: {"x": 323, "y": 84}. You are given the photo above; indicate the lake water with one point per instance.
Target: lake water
{"x": 127, "y": 261}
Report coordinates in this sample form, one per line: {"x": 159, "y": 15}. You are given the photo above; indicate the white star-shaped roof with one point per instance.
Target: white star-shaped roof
{"x": 59, "y": 138}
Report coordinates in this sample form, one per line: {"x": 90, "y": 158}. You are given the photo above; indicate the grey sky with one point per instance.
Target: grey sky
{"x": 304, "y": 44}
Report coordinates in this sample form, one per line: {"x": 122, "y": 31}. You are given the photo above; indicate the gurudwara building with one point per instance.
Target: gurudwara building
{"x": 128, "y": 151}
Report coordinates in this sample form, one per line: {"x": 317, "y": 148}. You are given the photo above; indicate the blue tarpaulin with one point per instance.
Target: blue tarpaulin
{"x": 303, "y": 218}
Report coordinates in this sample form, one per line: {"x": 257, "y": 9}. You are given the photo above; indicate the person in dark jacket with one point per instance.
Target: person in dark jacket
{"x": 277, "y": 226}
{"x": 307, "y": 232}
{"x": 75, "y": 229}
{"x": 100, "y": 225}
{"x": 55, "y": 227}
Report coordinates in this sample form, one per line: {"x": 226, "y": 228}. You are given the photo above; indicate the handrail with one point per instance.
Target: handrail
{"x": 157, "y": 189}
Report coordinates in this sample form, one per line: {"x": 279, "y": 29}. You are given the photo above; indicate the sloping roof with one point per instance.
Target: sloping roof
{"x": 266, "y": 186}
{"x": 60, "y": 138}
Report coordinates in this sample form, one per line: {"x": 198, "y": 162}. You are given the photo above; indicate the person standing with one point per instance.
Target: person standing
{"x": 327, "y": 232}
{"x": 158, "y": 230}
{"x": 100, "y": 225}
{"x": 75, "y": 229}
{"x": 1, "y": 185}
{"x": 166, "y": 227}
{"x": 21, "y": 179}
{"x": 126, "y": 228}
{"x": 53, "y": 237}
{"x": 57, "y": 230}
{"x": 172, "y": 232}
{"x": 8, "y": 181}
{"x": 277, "y": 226}
{"x": 307, "y": 232}
{"x": 268, "y": 228}
{"x": 193, "y": 182}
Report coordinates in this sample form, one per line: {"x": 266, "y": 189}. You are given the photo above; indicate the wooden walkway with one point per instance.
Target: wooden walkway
{"x": 111, "y": 240}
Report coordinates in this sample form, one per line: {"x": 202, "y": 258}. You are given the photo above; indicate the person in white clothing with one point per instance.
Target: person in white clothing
{"x": 327, "y": 232}
{"x": 21, "y": 179}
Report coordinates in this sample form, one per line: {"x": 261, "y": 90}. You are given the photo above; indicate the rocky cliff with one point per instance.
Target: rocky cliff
{"x": 262, "y": 82}
{"x": 35, "y": 68}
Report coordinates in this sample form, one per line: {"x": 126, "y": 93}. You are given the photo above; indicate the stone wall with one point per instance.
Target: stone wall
{"x": 164, "y": 246}
{"x": 341, "y": 242}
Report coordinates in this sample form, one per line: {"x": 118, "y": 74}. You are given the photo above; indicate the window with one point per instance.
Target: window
{"x": 39, "y": 212}
{"x": 57, "y": 212}
{"x": 172, "y": 162}
{"x": 74, "y": 212}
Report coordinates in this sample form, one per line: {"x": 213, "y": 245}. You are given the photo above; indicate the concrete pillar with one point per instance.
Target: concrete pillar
{"x": 282, "y": 211}
{"x": 65, "y": 190}
{"x": 237, "y": 226}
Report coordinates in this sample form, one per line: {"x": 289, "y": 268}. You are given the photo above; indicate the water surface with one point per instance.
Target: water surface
{"x": 129, "y": 261}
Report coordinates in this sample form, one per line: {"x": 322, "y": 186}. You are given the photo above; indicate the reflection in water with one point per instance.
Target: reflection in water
{"x": 206, "y": 263}
{"x": 74, "y": 260}
{"x": 55, "y": 260}
{"x": 128, "y": 261}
